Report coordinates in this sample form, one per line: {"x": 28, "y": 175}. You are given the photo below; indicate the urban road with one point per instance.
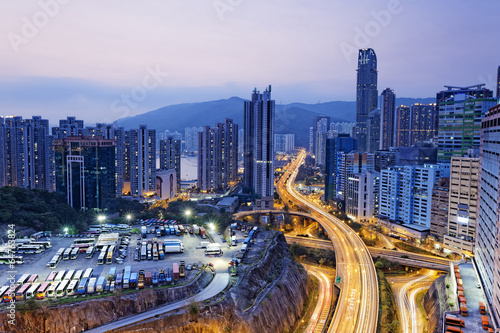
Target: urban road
{"x": 218, "y": 284}
{"x": 357, "y": 309}
{"x": 410, "y": 259}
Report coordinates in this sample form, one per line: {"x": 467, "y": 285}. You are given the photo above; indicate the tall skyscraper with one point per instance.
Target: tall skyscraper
{"x": 69, "y": 127}
{"x": 191, "y": 138}
{"x": 218, "y": 156}
{"x": 461, "y": 229}
{"x": 423, "y": 123}
{"x": 460, "y": 120}
{"x": 170, "y": 158}
{"x": 27, "y": 153}
{"x": 284, "y": 143}
{"x": 341, "y": 143}
{"x": 320, "y": 129}
{"x": 388, "y": 112}
{"x": 374, "y": 119}
{"x": 403, "y": 121}
{"x": 487, "y": 252}
{"x": 349, "y": 164}
{"x": 366, "y": 95}
{"x": 142, "y": 158}
{"x": 85, "y": 171}
{"x": 259, "y": 115}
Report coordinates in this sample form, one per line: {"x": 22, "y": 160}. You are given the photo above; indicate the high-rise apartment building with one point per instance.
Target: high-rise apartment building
{"x": 439, "y": 209}
{"x": 69, "y": 127}
{"x": 349, "y": 164}
{"x": 464, "y": 178}
{"x": 406, "y": 193}
{"x": 487, "y": 252}
{"x": 218, "y": 156}
{"x": 374, "y": 119}
{"x": 366, "y": 95}
{"x": 320, "y": 128}
{"x": 170, "y": 158}
{"x": 387, "y": 122}
{"x": 498, "y": 82}
{"x": 341, "y": 128}
{"x": 403, "y": 122}
{"x": 141, "y": 146}
{"x": 191, "y": 138}
{"x": 284, "y": 143}
{"x": 341, "y": 143}
{"x": 460, "y": 120}
{"x": 259, "y": 115}
{"x": 27, "y": 153}
{"x": 423, "y": 123}
{"x": 85, "y": 171}
{"x": 362, "y": 192}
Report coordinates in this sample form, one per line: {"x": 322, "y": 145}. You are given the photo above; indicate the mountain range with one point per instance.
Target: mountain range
{"x": 295, "y": 118}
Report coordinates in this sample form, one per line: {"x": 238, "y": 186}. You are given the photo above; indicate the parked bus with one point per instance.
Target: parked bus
{"x": 69, "y": 275}
{"x": 143, "y": 252}
{"x": 21, "y": 293}
{"x": 40, "y": 294}
{"x": 84, "y": 241}
{"x": 90, "y": 252}
{"x": 118, "y": 280}
{"x": 9, "y": 294}
{"x": 46, "y": 244}
{"x": 82, "y": 286}
{"x": 51, "y": 277}
{"x": 51, "y": 292}
{"x": 3, "y": 290}
{"x": 91, "y": 285}
{"x": 31, "y": 293}
{"x": 30, "y": 249}
{"x": 6, "y": 259}
{"x": 88, "y": 273}
{"x": 33, "y": 278}
{"x": 74, "y": 253}
{"x": 60, "y": 291}
{"x": 112, "y": 274}
{"x": 101, "y": 258}
{"x": 72, "y": 287}
{"x": 54, "y": 262}
{"x": 133, "y": 280}
{"x": 100, "y": 284}
{"x": 126, "y": 277}
{"x": 78, "y": 275}
{"x": 109, "y": 257}
{"x": 67, "y": 253}
{"x": 23, "y": 279}
{"x": 60, "y": 275}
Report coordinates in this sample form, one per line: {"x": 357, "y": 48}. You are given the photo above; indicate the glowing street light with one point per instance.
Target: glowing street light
{"x": 65, "y": 230}
{"x": 187, "y": 213}
{"x": 128, "y": 217}
{"x": 211, "y": 226}
{"x": 101, "y": 218}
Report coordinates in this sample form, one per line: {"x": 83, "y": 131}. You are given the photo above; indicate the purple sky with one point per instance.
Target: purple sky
{"x": 84, "y": 58}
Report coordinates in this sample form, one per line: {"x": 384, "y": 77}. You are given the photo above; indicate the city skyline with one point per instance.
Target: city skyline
{"x": 71, "y": 70}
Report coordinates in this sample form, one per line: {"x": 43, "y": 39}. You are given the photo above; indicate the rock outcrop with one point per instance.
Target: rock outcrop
{"x": 437, "y": 301}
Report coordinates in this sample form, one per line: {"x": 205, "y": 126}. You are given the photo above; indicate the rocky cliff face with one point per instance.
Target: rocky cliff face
{"x": 436, "y": 302}
{"x": 89, "y": 314}
{"x": 268, "y": 297}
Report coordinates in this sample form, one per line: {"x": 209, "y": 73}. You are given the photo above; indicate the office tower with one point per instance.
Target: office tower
{"x": 109, "y": 132}
{"x": 85, "y": 171}
{"x": 241, "y": 144}
{"x": 259, "y": 115}
{"x": 403, "y": 121}
{"x": 487, "y": 253}
{"x": 374, "y": 119}
{"x": 423, "y": 123}
{"x": 284, "y": 143}
{"x": 406, "y": 193}
{"x": 498, "y": 82}
{"x": 218, "y": 156}
{"x": 366, "y": 95}
{"x": 142, "y": 155}
{"x": 439, "y": 209}
{"x": 464, "y": 178}
{"x": 311, "y": 140}
{"x": 349, "y": 164}
{"x": 319, "y": 135}
{"x": 341, "y": 143}
{"x": 170, "y": 158}
{"x": 460, "y": 120}
{"x": 361, "y": 199}
{"x": 385, "y": 159}
{"x": 320, "y": 154}
{"x": 27, "y": 153}
{"x": 388, "y": 112}
{"x": 69, "y": 127}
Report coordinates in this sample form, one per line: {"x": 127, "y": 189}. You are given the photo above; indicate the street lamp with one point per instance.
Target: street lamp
{"x": 101, "y": 218}
{"x": 211, "y": 226}
{"x": 128, "y": 217}
{"x": 65, "y": 230}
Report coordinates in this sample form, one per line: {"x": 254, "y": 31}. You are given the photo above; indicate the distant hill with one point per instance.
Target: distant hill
{"x": 293, "y": 118}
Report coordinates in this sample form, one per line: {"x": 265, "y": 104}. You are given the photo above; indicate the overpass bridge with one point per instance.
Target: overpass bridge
{"x": 274, "y": 211}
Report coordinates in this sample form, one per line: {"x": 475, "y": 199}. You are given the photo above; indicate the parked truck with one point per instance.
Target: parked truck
{"x": 140, "y": 280}
{"x": 213, "y": 249}
{"x": 171, "y": 247}
{"x": 204, "y": 245}
{"x": 175, "y": 271}
{"x": 485, "y": 322}
{"x": 161, "y": 275}
{"x": 182, "y": 269}
{"x": 144, "y": 231}
{"x": 482, "y": 308}
{"x": 203, "y": 232}
{"x": 196, "y": 229}
{"x": 148, "y": 278}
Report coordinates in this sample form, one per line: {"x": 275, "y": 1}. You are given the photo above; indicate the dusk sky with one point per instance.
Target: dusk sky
{"x": 81, "y": 57}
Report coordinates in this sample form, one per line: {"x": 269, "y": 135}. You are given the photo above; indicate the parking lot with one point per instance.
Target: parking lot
{"x": 193, "y": 254}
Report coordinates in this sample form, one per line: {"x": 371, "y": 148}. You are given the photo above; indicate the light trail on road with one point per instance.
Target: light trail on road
{"x": 322, "y": 309}
{"x": 357, "y": 308}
